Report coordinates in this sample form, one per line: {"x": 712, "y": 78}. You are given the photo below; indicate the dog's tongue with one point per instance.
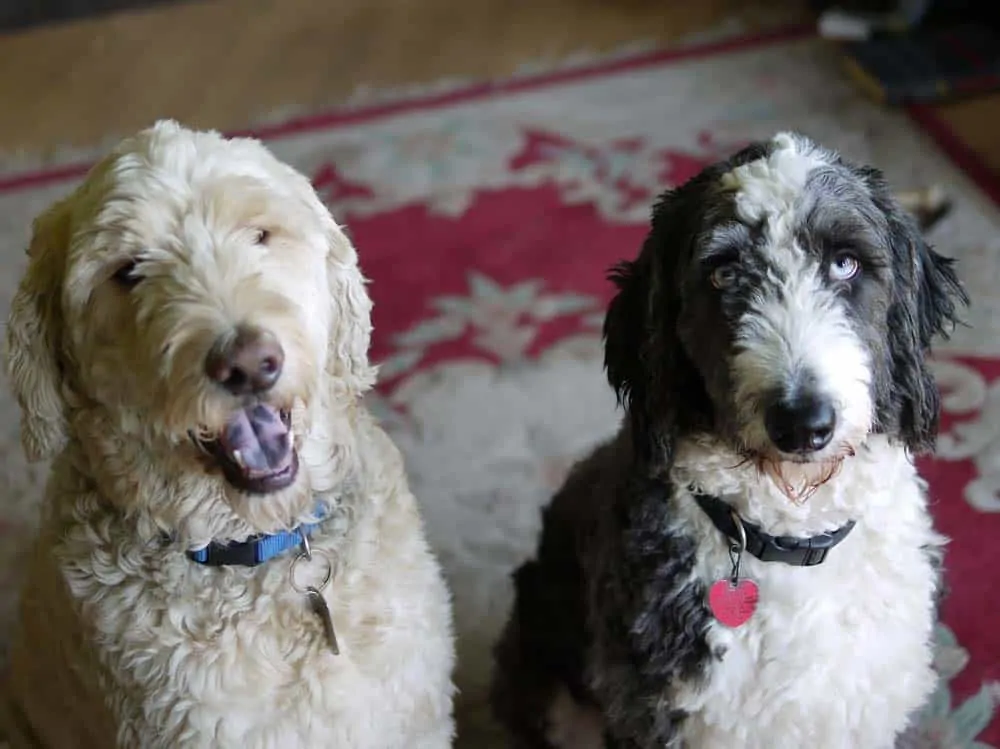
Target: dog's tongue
{"x": 257, "y": 440}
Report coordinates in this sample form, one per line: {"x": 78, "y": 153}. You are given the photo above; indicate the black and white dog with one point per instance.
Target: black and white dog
{"x": 750, "y": 563}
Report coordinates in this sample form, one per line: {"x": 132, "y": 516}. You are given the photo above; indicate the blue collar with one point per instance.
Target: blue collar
{"x": 256, "y": 549}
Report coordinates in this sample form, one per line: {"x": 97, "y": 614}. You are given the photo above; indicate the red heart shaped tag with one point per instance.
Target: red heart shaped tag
{"x": 733, "y": 605}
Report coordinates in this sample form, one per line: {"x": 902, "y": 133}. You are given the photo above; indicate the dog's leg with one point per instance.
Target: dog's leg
{"x": 538, "y": 663}
{"x": 572, "y": 725}
{"x": 522, "y": 690}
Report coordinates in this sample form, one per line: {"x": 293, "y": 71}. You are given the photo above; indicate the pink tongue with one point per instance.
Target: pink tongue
{"x": 261, "y": 439}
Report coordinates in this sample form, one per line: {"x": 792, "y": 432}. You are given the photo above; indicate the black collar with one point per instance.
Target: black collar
{"x": 798, "y": 552}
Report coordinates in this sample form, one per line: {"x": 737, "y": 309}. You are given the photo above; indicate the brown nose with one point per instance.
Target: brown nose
{"x": 249, "y": 362}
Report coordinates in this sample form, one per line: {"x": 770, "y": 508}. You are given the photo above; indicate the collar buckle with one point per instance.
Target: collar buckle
{"x": 257, "y": 549}
{"x": 797, "y": 552}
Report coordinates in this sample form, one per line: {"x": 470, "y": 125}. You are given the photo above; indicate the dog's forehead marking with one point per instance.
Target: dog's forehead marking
{"x": 769, "y": 191}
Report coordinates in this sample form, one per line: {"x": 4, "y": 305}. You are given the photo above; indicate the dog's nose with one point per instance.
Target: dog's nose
{"x": 249, "y": 362}
{"x": 802, "y": 424}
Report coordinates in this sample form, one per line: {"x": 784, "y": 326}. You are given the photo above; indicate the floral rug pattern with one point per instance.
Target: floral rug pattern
{"x": 486, "y": 223}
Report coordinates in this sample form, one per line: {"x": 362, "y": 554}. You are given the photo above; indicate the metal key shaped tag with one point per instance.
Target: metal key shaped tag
{"x": 314, "y": 593}
{"x": 319, "y": 607}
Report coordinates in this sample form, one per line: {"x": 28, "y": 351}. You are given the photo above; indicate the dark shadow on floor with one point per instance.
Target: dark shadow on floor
{"x": 21, "y": 14}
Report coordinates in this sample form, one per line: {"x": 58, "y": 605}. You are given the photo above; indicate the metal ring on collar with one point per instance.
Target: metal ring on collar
{"x": 326, "y": 558}
{"x": 742, "y": 540}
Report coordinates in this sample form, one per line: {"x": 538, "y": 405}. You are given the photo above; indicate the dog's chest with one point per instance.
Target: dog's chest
{"x": 239, "y": 657}
{"x": 254, "y": 658}
{"x": 834, "y": 655}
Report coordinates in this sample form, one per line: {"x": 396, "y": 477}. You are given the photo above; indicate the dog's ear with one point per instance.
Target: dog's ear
{"x": 624, "y": 329}
{"x": 627, "y": 351}
{"x": 33, "y": 337}
{"x": 351, "y": 327}
{"x": 924, "y": 304}
{"x": 645, "y": 361}
{"x": 350, "y": 306}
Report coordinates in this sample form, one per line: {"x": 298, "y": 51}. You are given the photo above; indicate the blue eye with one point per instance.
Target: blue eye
{"x": 844, "y": 267}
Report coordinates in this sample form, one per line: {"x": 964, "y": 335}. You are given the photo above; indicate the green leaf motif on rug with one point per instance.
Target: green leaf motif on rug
{"x": 940, "y": 725}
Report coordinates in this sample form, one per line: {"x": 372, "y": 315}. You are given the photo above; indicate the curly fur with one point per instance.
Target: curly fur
{"x": 125, "y": 641}
{"x": 611, "y": 629}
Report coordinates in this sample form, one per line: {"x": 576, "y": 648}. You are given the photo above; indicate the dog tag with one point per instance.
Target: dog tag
{"x": 319, "y": 607}
{"x": 733, "y": 602}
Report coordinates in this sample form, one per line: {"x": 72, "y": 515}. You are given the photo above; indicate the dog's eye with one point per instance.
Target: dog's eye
{"x": 261, "y": 236}
{"x": 844, "y": 267}
{"x": 125, "y": 276}
{"x": 724, "y": 276}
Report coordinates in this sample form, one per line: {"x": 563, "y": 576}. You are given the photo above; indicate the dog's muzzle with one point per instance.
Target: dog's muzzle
{"x": 255, "y": 448}
{"x": 800, "y": 424}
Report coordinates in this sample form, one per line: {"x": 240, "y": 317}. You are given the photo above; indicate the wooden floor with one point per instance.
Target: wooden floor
{"x": 228, "y": 63}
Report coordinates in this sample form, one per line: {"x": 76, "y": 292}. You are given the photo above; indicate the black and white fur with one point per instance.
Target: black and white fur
{"x": 768, "y": 347}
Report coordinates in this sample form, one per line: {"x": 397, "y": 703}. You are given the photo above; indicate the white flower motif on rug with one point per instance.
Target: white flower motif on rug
{"x": 504, "y": 322}
{"x": 623, "y": 176}
{"x": 974, "y": 434}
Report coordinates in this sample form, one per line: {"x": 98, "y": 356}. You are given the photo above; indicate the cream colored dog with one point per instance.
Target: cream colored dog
{"x": 189, "y": 344}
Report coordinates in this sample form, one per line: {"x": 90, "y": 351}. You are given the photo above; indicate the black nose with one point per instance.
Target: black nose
{"x": 249, "y": 362}
{"x": 802, "y": 424}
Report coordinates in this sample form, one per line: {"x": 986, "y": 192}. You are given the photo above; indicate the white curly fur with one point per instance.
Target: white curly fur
{"x": 837, "y": 655}
{"x": 122, "y": 638}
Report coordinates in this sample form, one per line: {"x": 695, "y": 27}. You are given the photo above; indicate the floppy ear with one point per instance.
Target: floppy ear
{"x": 923, "y": 306}
{"x": 654, "y": 379}
{"x": 350, "y": 307}
{"x": 33, "y": 337}
{"x": 351, "y": 327}
{"x": 626, "y": 330}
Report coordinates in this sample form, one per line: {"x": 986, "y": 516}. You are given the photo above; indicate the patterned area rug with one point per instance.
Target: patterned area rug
{"x": 486, "y": 219}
